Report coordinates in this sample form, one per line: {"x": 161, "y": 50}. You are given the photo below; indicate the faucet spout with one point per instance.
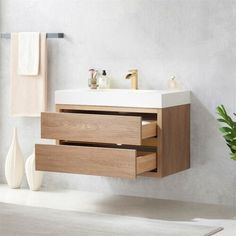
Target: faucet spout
{"x": 133, "y": 76}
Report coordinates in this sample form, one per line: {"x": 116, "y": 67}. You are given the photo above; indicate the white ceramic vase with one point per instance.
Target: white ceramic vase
{"x": 34, "y": 177}
{"x": 14, "y": 165}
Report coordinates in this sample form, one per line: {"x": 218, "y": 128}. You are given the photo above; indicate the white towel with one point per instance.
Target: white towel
{"x": 28, "y": 53}
{"x": 28, "y": 93}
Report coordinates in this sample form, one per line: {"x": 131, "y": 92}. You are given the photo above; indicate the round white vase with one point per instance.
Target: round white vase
{"x": 14, "y": 165}
{"x": 33, "y": 176}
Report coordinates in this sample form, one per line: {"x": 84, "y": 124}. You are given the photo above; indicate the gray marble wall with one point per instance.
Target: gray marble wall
{"x": 192, "y": 39}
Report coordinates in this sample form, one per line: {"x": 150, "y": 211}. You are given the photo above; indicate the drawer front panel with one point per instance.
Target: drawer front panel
{"x": 93, "y": 161}
{"x": 92, "y": 128}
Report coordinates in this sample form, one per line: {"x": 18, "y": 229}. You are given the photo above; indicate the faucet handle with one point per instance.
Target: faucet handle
{"x": 133, "y": 75}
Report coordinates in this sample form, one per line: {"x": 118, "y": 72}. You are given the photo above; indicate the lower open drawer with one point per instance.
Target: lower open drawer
{"x": 125, "y": 163}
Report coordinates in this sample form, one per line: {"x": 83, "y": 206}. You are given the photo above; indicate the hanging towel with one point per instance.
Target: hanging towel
{"x": 28, "y": 53}
{"x": 28, "y": 93}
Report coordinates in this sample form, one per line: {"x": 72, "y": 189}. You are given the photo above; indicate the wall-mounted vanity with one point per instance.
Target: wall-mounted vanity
{"x": 118, "y": 133}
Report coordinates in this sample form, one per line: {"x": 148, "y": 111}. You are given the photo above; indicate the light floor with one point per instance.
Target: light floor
{"x": 224, "y": 216}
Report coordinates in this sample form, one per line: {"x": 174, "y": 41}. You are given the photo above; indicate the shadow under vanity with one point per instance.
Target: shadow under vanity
{"x": 106, "y": 137}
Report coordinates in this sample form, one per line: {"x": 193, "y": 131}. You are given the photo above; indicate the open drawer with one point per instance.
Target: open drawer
{"x": 97, "y": 128}
{"x": 125, "y": 163}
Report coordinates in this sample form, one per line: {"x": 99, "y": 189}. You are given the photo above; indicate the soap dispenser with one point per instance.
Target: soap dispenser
{"x": 104, "y": 81}
{"x": 173, "y": 83}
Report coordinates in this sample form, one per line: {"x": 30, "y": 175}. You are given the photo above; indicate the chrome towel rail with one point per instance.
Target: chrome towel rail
{"x": 49, "y": 35}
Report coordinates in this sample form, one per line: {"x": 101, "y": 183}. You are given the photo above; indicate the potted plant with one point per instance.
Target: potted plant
{"x": 228, "y": 129}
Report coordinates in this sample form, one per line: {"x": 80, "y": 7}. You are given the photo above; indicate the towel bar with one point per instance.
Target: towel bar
{"x": 49, "y": 35}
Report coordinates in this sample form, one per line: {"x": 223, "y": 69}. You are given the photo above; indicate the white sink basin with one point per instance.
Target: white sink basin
{"x": 123, "y": 97}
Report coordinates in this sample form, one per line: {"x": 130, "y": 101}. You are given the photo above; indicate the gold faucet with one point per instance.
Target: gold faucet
{"x": 133, "y": 75}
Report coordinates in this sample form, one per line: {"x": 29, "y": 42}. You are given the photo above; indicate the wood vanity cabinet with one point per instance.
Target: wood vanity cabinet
{"x": 115, "y": 141}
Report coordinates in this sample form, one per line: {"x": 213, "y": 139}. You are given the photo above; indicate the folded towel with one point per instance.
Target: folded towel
{"x": 28, "y": 93}
{"x": 28, "y": 53}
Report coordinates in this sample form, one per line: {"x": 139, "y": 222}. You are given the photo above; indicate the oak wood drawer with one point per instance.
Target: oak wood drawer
{"x": 97, "y": 128}
{"x": 125, "y": 163}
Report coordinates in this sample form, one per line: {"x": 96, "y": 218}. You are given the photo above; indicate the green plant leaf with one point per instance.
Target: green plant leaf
{"x": 233, "y": 147}
{"x": 225, "y": 130}
{"x": 228, "y": 137}
{"x": 222, "y": 120}
{"x": 233, "y": 156}
{"x": 229, "y": 131}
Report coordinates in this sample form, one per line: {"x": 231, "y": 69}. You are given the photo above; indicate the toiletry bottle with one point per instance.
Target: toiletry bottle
{"x": 172, "y": 83}
{"x": 104, "y": 81}
{"x": 93, "y": 81}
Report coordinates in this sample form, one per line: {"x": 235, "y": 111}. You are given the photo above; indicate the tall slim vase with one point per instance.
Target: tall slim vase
{"x": 33, "y": 176}
{"x": 14, "y": 165}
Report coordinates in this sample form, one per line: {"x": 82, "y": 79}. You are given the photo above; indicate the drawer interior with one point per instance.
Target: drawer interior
{"x": 139, "y": 149}
{"x": 145, "y": 116}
